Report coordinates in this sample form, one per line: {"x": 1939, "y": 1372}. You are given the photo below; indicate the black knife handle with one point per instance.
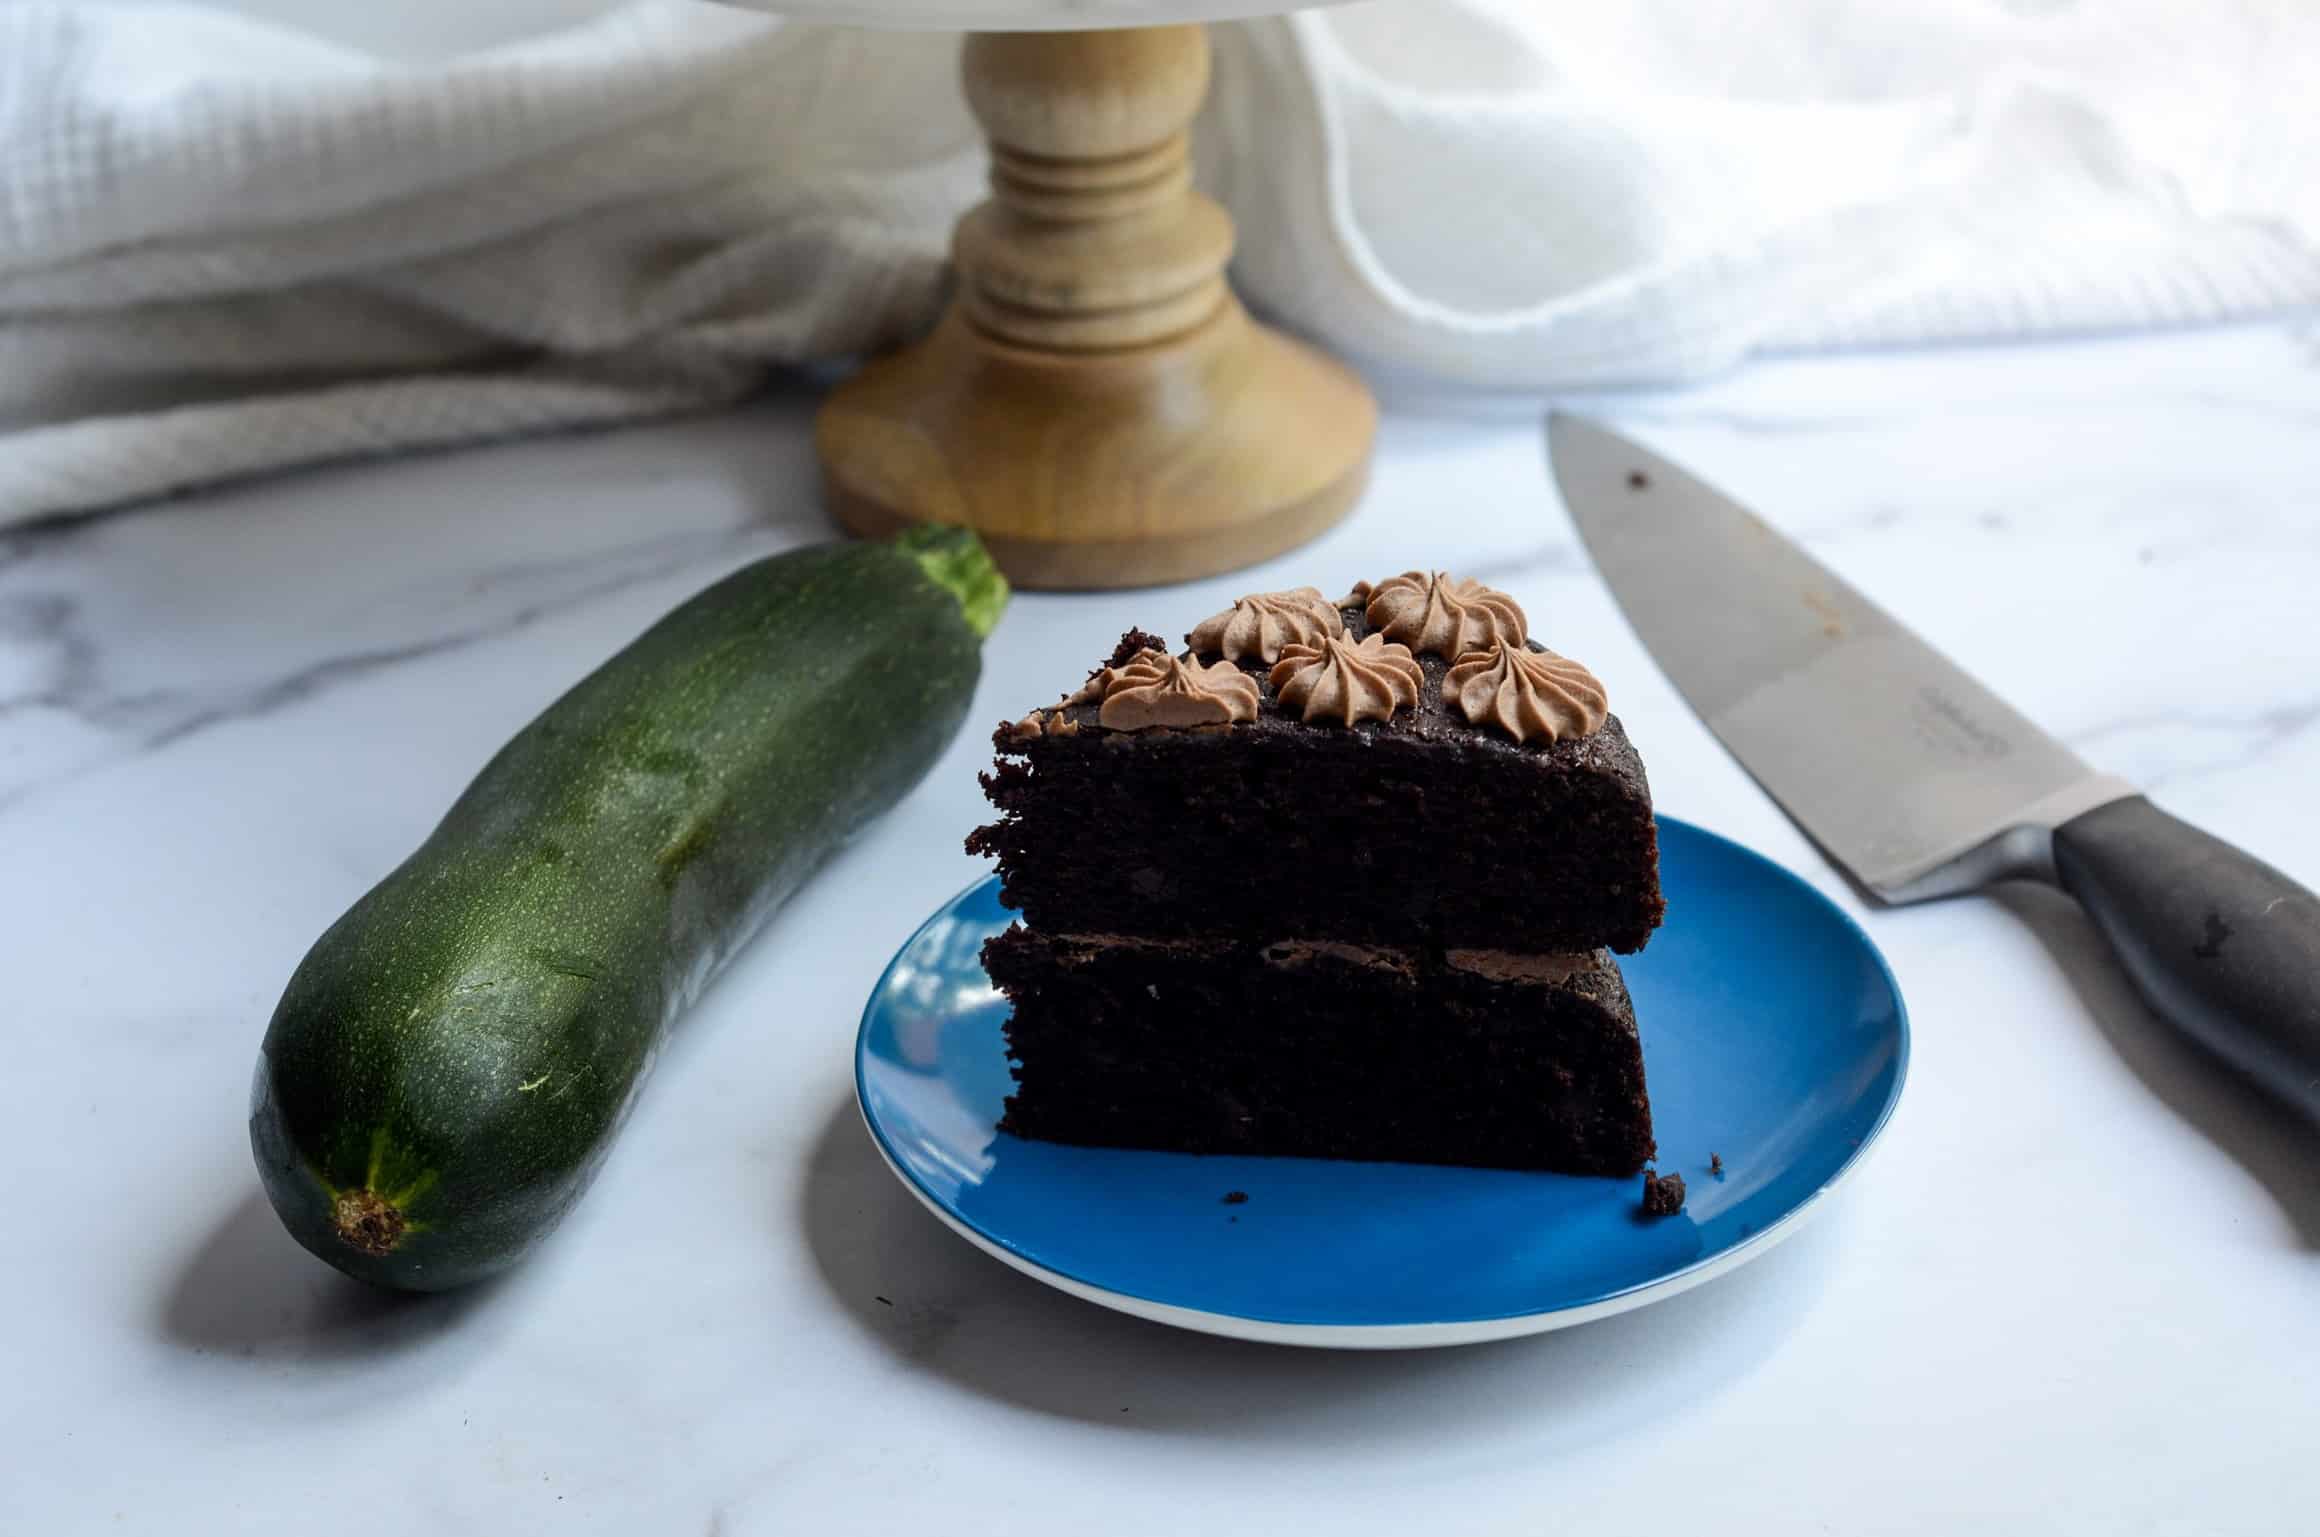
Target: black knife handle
{"x": 2220, "y": 944}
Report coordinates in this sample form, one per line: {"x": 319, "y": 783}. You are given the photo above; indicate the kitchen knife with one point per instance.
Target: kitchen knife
{"x": 1920, "y": 782}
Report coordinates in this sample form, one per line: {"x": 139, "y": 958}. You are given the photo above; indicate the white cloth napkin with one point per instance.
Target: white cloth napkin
{"x": 227, "y": 247}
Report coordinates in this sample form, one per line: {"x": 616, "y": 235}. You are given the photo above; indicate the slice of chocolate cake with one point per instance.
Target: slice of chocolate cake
{"x": 1340, "y": 880}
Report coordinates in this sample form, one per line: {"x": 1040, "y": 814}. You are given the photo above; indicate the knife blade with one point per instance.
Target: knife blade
{"x": 1920, "y": 782}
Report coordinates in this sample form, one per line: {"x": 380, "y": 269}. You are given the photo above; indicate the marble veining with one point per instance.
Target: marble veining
{"x": 56, "y": 642}
{"x": 2180, "y": 745}
{"x": 222, "y": 717}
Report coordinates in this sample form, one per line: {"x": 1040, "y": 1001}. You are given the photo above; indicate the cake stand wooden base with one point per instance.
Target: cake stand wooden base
{"x": 1096, "y": 403}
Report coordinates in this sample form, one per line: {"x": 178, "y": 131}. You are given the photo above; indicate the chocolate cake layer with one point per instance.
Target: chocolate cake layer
{"x": 1323, "y": 1049}
{"x": 1421, "y": 831}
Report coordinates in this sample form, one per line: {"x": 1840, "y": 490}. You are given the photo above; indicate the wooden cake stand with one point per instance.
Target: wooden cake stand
{"x": 1096, "y": 403}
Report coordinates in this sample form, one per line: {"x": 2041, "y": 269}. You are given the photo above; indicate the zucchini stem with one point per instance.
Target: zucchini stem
{"x": 955, "y": 560}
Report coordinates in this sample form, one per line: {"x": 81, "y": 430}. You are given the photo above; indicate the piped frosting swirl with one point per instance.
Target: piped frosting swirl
{"x": 1155, "y": 689}
{"x": 1347, "y": 682}
{"x": 1529, "y": 695}
{"x": 1257, "y": 627}
{"x": 1443, "y": 615}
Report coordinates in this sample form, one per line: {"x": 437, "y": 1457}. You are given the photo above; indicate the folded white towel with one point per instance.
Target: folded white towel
{"x": 226, "y": 247}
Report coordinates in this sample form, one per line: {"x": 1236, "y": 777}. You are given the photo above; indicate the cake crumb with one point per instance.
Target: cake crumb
{"x": 1663, "y": 1194}
{"x": 1236, "y": 1198}
{"x": 1637, "y": 480}
{"x": 1716, "y": 1164}
{"x": 1132, "y": 645}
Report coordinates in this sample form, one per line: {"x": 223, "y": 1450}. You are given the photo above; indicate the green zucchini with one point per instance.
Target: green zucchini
{"x": 450, "y": 1062}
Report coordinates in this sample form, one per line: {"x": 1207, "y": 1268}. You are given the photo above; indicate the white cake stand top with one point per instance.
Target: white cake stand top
{"x": 1022, "y": 15}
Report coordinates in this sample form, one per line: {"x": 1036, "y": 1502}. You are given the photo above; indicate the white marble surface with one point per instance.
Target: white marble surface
{"x": 2078, "y": 1290}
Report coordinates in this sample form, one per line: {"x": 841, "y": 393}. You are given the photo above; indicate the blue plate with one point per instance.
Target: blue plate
{"x": 1773, "y": 1035}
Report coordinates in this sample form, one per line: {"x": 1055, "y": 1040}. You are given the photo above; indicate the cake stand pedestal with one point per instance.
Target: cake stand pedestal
{"x": 1096, "y": 403}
